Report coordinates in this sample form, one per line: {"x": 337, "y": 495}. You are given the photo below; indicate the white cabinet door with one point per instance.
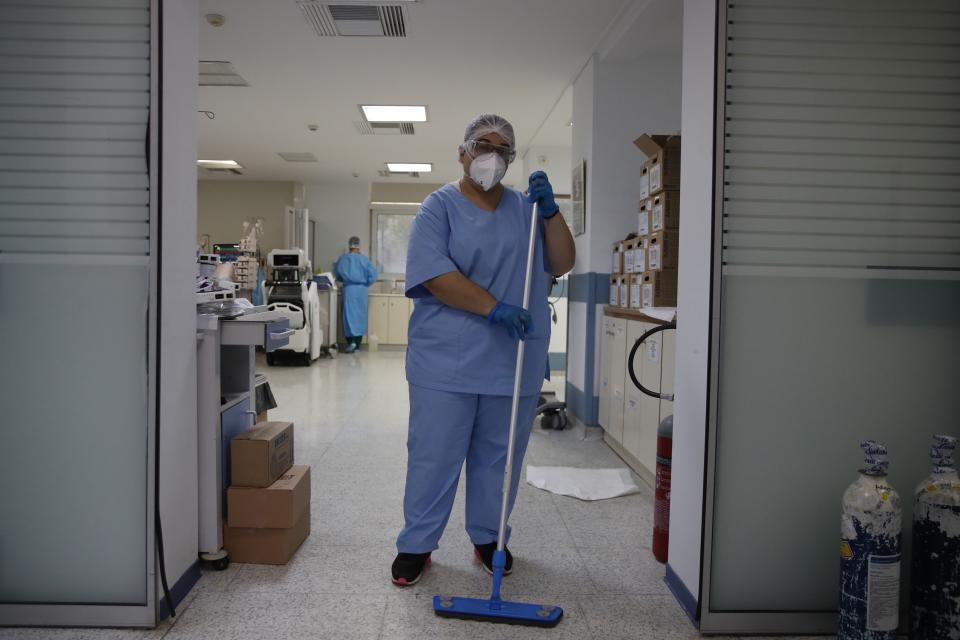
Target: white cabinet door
{"x": 399, "y": 316}
{"x": 378, "y": 318}
{"x": 668, "y": 370}
{"x": 605, "y": 344}
{"x": 634, "y": 399}
{"x": 649, "y": 360}
{"x": 617, "y": 371}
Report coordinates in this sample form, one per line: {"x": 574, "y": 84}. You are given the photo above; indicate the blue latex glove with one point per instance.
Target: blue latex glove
{"x": 517, "y": 320}
{"x": 541, "y": 192}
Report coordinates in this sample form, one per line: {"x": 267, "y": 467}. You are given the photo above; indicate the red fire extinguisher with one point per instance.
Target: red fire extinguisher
{"x": 661, "y": 504}
{"x": 661, "y": 496}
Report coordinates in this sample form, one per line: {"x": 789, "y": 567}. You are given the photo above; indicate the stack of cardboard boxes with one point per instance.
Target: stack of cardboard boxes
{"x": 660, "y": 215}
{"x": 268, "y": 502}
{"x": 645, "y": 264}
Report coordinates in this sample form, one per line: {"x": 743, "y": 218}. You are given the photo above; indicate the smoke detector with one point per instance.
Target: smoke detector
{"x": 215, "y": 19}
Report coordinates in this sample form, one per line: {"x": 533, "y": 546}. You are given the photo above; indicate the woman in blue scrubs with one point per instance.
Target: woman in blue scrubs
{"x": 466, "y": 261}
{"x": 357, "y": 273}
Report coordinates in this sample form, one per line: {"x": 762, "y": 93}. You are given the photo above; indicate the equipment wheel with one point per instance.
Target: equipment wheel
{"x": 550, "y": 420}
{"x": 216, "y": 561}
{"x": 271, "y": 359}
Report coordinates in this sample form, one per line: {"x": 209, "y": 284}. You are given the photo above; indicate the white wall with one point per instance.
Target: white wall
{"x": 402, "y": 191}
{"x": 340, "y": 210}
{"x": 178, "y": 365}
{"x": 223, "y": 205}
{"x": 615, "y": 99}
{"x": 581, "y": 149}
{"x": 693, "y": 317}
{"x": 555, "y": 161}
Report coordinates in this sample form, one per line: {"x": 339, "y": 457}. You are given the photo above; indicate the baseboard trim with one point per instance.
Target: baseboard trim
{"x": 180, "y": 589}
{"x": 686, "y": 599}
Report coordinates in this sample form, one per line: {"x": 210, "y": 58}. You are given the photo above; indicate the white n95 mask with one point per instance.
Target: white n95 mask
{"x": 487, "y": 170}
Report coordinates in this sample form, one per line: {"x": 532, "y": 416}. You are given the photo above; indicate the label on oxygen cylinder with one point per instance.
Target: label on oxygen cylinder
{"x": 883, "y": 593}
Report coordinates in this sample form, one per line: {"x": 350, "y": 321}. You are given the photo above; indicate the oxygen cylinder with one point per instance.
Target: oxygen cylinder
{"x": 870, "y": 553}
{"x": 935, "y": 595}
{"x": 661, "y": 500}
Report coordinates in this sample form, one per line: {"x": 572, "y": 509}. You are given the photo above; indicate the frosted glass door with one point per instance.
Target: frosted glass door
{"x": 840, "y": 280}
{"x": 75, "y": 292}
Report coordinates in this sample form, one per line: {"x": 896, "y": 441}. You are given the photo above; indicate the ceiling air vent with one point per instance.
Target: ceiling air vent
{"x": 384, "y": 128}
{"x": 355, "y": 19}
{"x": 297, "y": 156}
{"x": 216, "y": 73}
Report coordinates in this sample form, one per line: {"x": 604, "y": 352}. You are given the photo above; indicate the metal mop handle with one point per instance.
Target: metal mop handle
{"x": 517, "y": 376}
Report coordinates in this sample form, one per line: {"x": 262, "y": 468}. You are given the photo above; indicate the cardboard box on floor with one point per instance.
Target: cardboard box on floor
{"x": 278, "y": 506}
{"x": 663, "y": 161}
{"x": 262, "y": 454}
{"x": 663, "y": 250}
{"x": 659, "y": 288}
{"x": 665, "y": 211}
{"x": 266, "y": 546}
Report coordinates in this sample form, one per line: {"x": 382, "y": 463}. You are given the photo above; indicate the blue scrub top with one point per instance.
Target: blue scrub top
{"x": 453, "y": 350}
{"x": 357, "y": 273}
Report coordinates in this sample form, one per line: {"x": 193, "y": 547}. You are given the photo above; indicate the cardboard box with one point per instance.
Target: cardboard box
{"x": 262, "y": 454}
{"x": 628, "y": 256}
{"x": 278, "y": 506}
{"x": 663, "y": 250}
{"x": 617, "y": 257}
{"x": 665, "y": 211}
{"x": 663, "y": 161}
{"x": 645, "y": 181}
{"x": 640, "y": 257}
{"x": 659, "y": 288}
{"x": 266, "y": 546}
{"x": 643, "y": 228}
{"x": 624, "y": 292}
{"x": 636, "y": 284}
{"x": 614, "y": 291}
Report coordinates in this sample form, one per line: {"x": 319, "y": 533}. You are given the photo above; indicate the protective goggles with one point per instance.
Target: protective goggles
{"x": 479, "y": 147}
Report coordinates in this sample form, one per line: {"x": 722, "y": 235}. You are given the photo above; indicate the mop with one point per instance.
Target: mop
{"x": 496, "y": 609}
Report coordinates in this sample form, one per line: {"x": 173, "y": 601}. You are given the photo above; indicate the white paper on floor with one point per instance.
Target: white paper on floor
{"x": 586, "y": 484}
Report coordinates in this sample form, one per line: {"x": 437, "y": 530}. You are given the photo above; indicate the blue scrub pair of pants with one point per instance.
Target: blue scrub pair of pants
{"x": 445, "y": 430}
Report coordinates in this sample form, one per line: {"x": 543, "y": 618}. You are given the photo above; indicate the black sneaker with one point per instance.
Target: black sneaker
{"x": 408, "y": 568}
{"x": 484, "y": 553}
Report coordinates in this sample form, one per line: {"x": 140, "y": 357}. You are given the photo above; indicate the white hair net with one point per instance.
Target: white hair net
{"x": 490, "y": 123}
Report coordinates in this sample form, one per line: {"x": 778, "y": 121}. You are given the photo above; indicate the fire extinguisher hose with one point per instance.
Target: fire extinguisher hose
{"x": 633, "y": 353}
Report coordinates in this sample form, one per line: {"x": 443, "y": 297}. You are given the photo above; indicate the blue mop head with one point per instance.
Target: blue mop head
{"x": 494, "y": 609}
{"x": 534, "y": 615}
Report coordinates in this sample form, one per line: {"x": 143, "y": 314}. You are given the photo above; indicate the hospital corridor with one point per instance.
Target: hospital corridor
{"x": 494, "y": 319}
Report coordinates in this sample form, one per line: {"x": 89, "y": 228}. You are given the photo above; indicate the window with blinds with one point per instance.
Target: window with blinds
{"x": 842, "y": 141}
{"x": 75, "y": 315}
{"x": 838, "y": 300}
{"x": 74, "y": 104}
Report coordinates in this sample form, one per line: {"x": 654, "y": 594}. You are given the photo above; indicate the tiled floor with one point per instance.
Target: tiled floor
{"x": 593, "y": 559}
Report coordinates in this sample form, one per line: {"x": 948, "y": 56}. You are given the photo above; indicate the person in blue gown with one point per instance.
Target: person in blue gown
{"x": 466, "y": 261}
{"x": 357, "y": 273}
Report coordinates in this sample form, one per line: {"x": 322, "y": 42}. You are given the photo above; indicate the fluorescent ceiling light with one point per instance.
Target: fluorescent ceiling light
{"x": 380, "y": 113}
{"x": 218, "y": 164}
{"x": 409, "y": 167}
